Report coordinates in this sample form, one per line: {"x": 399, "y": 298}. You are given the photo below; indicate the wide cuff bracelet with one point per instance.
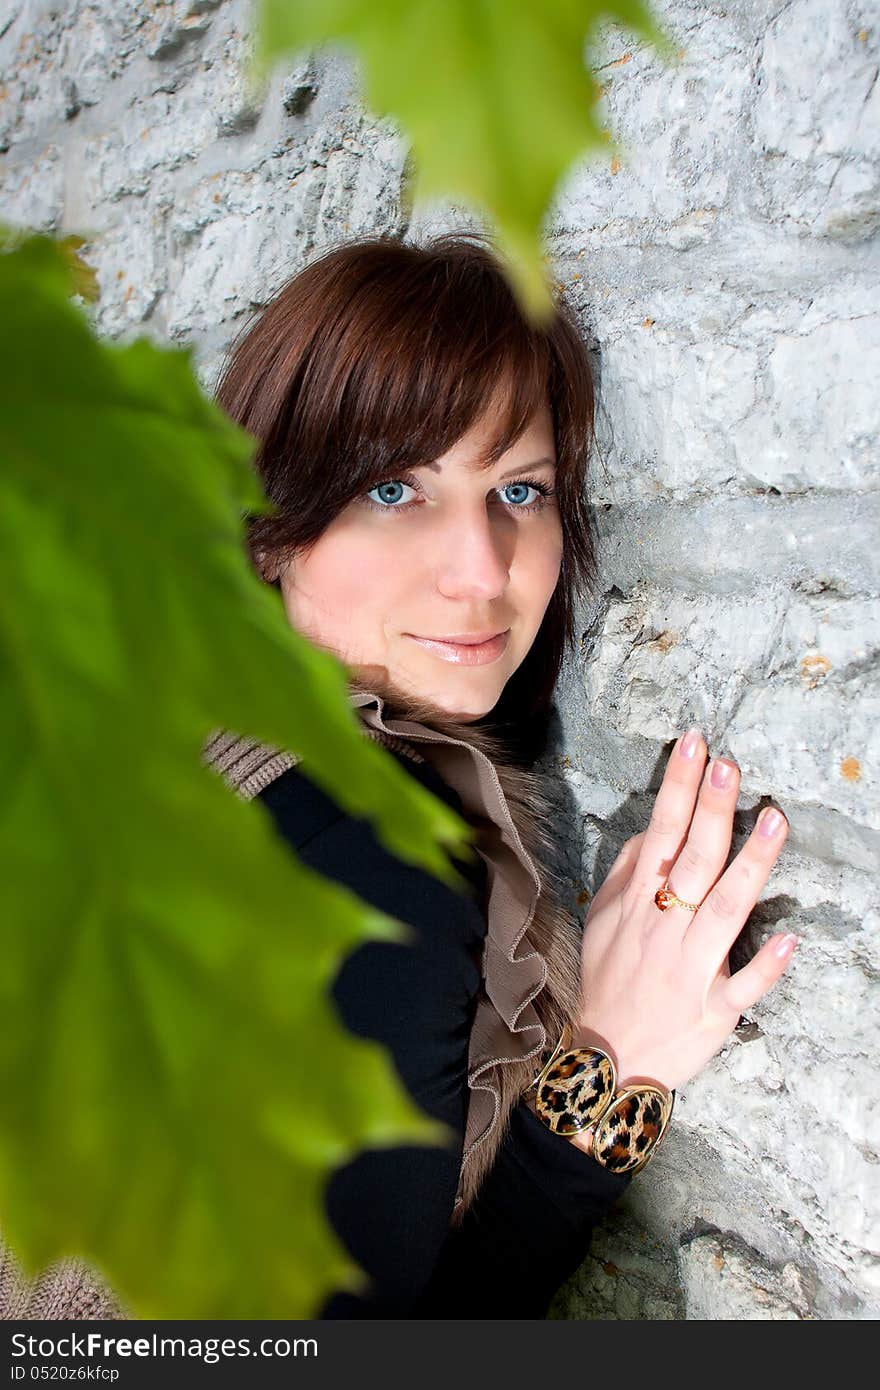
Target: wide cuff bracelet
{"x": 576, "y": 1091}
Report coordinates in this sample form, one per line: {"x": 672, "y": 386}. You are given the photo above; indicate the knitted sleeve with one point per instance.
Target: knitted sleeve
{"x": 66, "y": 1290}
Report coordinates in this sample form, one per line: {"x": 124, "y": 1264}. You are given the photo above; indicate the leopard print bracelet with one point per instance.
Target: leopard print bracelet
{"x": 577, "y": 1092}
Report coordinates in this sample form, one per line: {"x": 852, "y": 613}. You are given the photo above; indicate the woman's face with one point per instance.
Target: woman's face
{"x": 439, "y": 552}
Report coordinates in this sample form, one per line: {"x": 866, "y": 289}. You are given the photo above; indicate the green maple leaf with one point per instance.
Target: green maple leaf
{"x": 175, "y": 1086}
{"x": 494, "y": 95}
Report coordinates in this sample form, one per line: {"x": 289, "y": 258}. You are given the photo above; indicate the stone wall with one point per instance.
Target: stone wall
{"x": 726, "y": 273}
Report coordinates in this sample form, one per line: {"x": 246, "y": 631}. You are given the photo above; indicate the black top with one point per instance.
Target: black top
{"x": 530, "y": 1225}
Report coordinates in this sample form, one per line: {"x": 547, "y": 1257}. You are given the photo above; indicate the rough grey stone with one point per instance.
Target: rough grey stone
{"x": 724, "y": 1283}
{"x": 818, "y": 169}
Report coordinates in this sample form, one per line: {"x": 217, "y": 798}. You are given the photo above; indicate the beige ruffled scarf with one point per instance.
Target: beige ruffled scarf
{"x": 531, "y": 958}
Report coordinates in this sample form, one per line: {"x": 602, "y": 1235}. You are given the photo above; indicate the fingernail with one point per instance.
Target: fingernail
{"x": 786, "y": 945}
{"x": 769, "y": 822}
{"x": 721, "y": 774}
{"x": 690, "y": 743}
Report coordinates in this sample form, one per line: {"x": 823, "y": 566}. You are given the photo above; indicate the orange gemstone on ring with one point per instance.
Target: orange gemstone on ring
{"x": 663, "y": 899}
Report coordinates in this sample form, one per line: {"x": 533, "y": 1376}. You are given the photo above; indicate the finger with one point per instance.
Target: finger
{"x": 753, "y": 981}
{"x": 671, "y": 816}
{"x": 704, "y": 852}
{"x": 722, "y": 915}
{"x": 620, "y": 872}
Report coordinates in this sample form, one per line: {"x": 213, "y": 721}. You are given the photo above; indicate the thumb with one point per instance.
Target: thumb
{"x": 620, "y": 872}
{"x": 752, "y": 982}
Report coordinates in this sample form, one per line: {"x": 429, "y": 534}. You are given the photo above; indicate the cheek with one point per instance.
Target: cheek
{"x": 348, "y": 583}
{"x": 541, "y": 560}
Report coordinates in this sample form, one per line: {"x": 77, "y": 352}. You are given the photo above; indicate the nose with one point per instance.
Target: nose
{"x": 474, "y": 556}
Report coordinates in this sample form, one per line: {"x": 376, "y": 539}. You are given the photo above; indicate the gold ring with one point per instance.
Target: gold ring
{"x": 665, "y": 898}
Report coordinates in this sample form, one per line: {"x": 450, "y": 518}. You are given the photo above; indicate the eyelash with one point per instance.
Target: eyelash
{"x": 544, "y": 489}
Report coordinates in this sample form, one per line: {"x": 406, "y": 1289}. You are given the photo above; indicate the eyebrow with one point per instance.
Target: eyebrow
{"x": 511, "y": 472}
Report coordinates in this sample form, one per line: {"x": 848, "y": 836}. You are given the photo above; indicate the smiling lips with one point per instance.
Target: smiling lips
{"x": 465, "y": 649}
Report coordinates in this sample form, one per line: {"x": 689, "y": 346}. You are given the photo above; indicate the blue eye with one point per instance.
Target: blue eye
{"x": 386, "y": 502}
{"x": 524, "y": 486}
{"x": 389, "y": 499}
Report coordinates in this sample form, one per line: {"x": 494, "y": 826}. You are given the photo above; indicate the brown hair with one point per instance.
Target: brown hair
{"x": 379, "y": 356}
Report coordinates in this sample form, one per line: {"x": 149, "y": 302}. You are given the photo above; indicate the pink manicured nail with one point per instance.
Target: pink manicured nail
{"x": 690, "y": 743}
{"x": 770, "y": 823}
{"x": 721, "y": 775}
{"x": 785, "y": 946}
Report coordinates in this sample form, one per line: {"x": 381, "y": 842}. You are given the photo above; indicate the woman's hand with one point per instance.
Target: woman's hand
{"x": 656, "y": 987}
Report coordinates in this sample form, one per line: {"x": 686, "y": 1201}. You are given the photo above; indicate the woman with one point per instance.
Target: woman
{"x": 426, "y": 450}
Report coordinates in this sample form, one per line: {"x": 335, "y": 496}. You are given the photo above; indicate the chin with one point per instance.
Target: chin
{"x": 450, "y": 700}
{"x": 458, "y": 716}
{"x": 465, "y": 713}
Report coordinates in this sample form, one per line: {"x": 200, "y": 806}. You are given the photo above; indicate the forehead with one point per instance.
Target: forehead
{"x": 478, "y": 449}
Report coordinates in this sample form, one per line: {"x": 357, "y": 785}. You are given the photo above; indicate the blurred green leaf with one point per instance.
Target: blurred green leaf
{"x": 495, "y": 96}
{"x": 174, "y": 1084}
{"x": 83, "y": 276}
